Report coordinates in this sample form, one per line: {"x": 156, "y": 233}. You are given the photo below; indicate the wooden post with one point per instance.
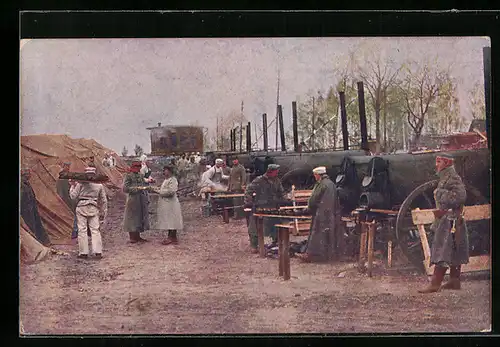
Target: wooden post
{"x": 225, "y": 215}
{"x": 294, "y": 205}
{"x": 286, "y": 254}
{"x": 260, "y": 236}
{"x": 249, "y": 138}
{"x": 389, "y": 253}
{"x": 362, "y": 247}
{"x": 280, "y": 251}
{"x": 282, "y": 128}
{"x": 371, "y": 236}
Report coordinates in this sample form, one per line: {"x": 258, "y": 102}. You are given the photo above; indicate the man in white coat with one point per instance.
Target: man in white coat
{"x": 91, "y": 208}
{"x": 211, "y": 179}
{"x": 168, "y": 210}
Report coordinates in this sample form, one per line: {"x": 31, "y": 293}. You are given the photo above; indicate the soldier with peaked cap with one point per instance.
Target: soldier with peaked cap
{"x": 29, "y": 209}
{"x": 136, "y": 218}
{"x": 450, "y": 246}
{"x": 237, "y": 181}
{"x": 325, "y": 240}
{"x": 91, "y": 208}
{"x": 264, "y": 190}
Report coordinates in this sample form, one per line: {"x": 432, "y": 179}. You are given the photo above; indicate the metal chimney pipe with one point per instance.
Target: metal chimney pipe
{"x": 232, "y": 140}
{"x": 343, "y": 115}
{"x": 249, "y": 137}
{"x": 159, "y": 124}
{"x": 282, "y": 128}
{"x": 264, "y": 130}
{"x": 295, "y": 127}
{"x": 362, "y": 117}
{"x": 487, "y": 87}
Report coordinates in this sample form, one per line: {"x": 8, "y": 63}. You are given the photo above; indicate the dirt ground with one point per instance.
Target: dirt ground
{"x": 211, "y": 284}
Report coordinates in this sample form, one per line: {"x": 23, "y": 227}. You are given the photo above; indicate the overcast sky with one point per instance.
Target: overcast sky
{"x": 112, "y": 89}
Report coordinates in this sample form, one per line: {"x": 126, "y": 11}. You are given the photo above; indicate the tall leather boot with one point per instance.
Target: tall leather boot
{"x": 171, "y": 239}
{"x": 134, "y": 237}
{"x": 437, "y": 278}
{"x": 454, "y": 281}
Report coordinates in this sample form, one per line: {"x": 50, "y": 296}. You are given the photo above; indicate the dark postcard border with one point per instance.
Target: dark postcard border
{"x": 255, "y": 24}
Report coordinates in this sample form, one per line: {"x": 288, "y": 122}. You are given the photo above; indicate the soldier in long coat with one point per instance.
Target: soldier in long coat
{"x": 325, "y": 235}
{"x": 237, "y": 182}
{"x": 62, "y": 187}
{"x": 29, "y": 209}
{"x": 450, "y": 246}
{"x": 136, "y": 219}
{"x": 265, "y": 190}
{"x": 168, "y": 210}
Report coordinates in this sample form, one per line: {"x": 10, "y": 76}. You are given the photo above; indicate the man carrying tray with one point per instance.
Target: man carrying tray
{"x": 91, "y": 208}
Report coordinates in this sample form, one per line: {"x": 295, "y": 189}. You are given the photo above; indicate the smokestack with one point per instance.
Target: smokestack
{"x": 249, "y": 137}
{"x": 295, "y": 128}
{"x": 232, "y": 140}
{"x": 264, "y": 130}
{"x": 487, "y": 87}
{"x": 343, "y": 115}
{"x": 362, "y": 117}
{"x": 282, "y": 128}
{"x": 159, "y": 124}
{"x": 241, "y": 138}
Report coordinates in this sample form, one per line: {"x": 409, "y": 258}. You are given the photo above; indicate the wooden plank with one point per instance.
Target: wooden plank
{"x": 227, "y": 196}
{"x": 389, "y": 253}
{"x": 281, "y": 230}
{"x": 362, "y": 248}
{"x": 425, "y": 246}
{"x": 471, "y": 213}
{"x": 371, "y": 237}
{"x": 286, "y": 256}
{"x": 389, "y": 212}
{"x": 280, "y": 216}
{"x": 477, "y": 263}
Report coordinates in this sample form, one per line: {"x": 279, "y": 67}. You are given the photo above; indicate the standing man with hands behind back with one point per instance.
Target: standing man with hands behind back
{"x": 450, "y": 247}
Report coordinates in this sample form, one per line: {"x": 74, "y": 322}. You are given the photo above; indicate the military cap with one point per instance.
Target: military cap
{"x": 272, "y": 167}
{"x": 319, "y": 170}
{"x": 446, "y": 156}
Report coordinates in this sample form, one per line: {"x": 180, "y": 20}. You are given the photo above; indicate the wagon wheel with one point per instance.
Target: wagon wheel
{"x": 302, "y": 179}
{"x": 423, "y": 197}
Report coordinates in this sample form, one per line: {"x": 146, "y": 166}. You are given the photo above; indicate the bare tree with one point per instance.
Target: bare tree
{"x": 378, "y": 76}
{"x": 420, "y": 88}
{"x": 476, "y": 97}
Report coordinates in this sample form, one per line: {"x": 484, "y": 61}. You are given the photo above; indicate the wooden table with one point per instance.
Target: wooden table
{"x": 259, "y": 223}
{"x": 225, "y": 211}
{"x": 284, "y": 245}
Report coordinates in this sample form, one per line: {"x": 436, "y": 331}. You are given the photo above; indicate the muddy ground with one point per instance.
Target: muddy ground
{"x": 210, "y": 283}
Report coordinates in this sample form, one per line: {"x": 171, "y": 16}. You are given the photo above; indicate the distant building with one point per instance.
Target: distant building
{"x": 167, "y": 140}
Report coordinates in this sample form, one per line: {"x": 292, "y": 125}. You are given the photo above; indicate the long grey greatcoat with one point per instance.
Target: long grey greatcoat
{"x": 168, "y": 208}
{"x": 449, "y": 194}
{"x": 136, "y": 217}
{"x": 326, "y": 235}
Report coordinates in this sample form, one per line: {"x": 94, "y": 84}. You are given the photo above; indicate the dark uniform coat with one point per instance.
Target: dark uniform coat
{"x": 326, "y": 235}
{"x": 29, "y": 212}
{"x": 136, "y": 217}
{"x": 268, "y": 190}
{"x": 448, "y": 249}
{"x": 237, "y": 178}
{"x": 62, "y": 187}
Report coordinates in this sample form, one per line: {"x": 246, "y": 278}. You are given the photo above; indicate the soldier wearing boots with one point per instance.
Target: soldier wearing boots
{"x": 450, "y": 247}
{"x": 264, "y": 190}
{"x": 91, "y": 209}
{"x": 136, "y": 219}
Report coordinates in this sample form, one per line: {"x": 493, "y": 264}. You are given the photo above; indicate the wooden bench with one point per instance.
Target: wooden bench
{"x": 471, "y": 213}
{"x": 224, "y": 196}
{"x": 284, "y": 244}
